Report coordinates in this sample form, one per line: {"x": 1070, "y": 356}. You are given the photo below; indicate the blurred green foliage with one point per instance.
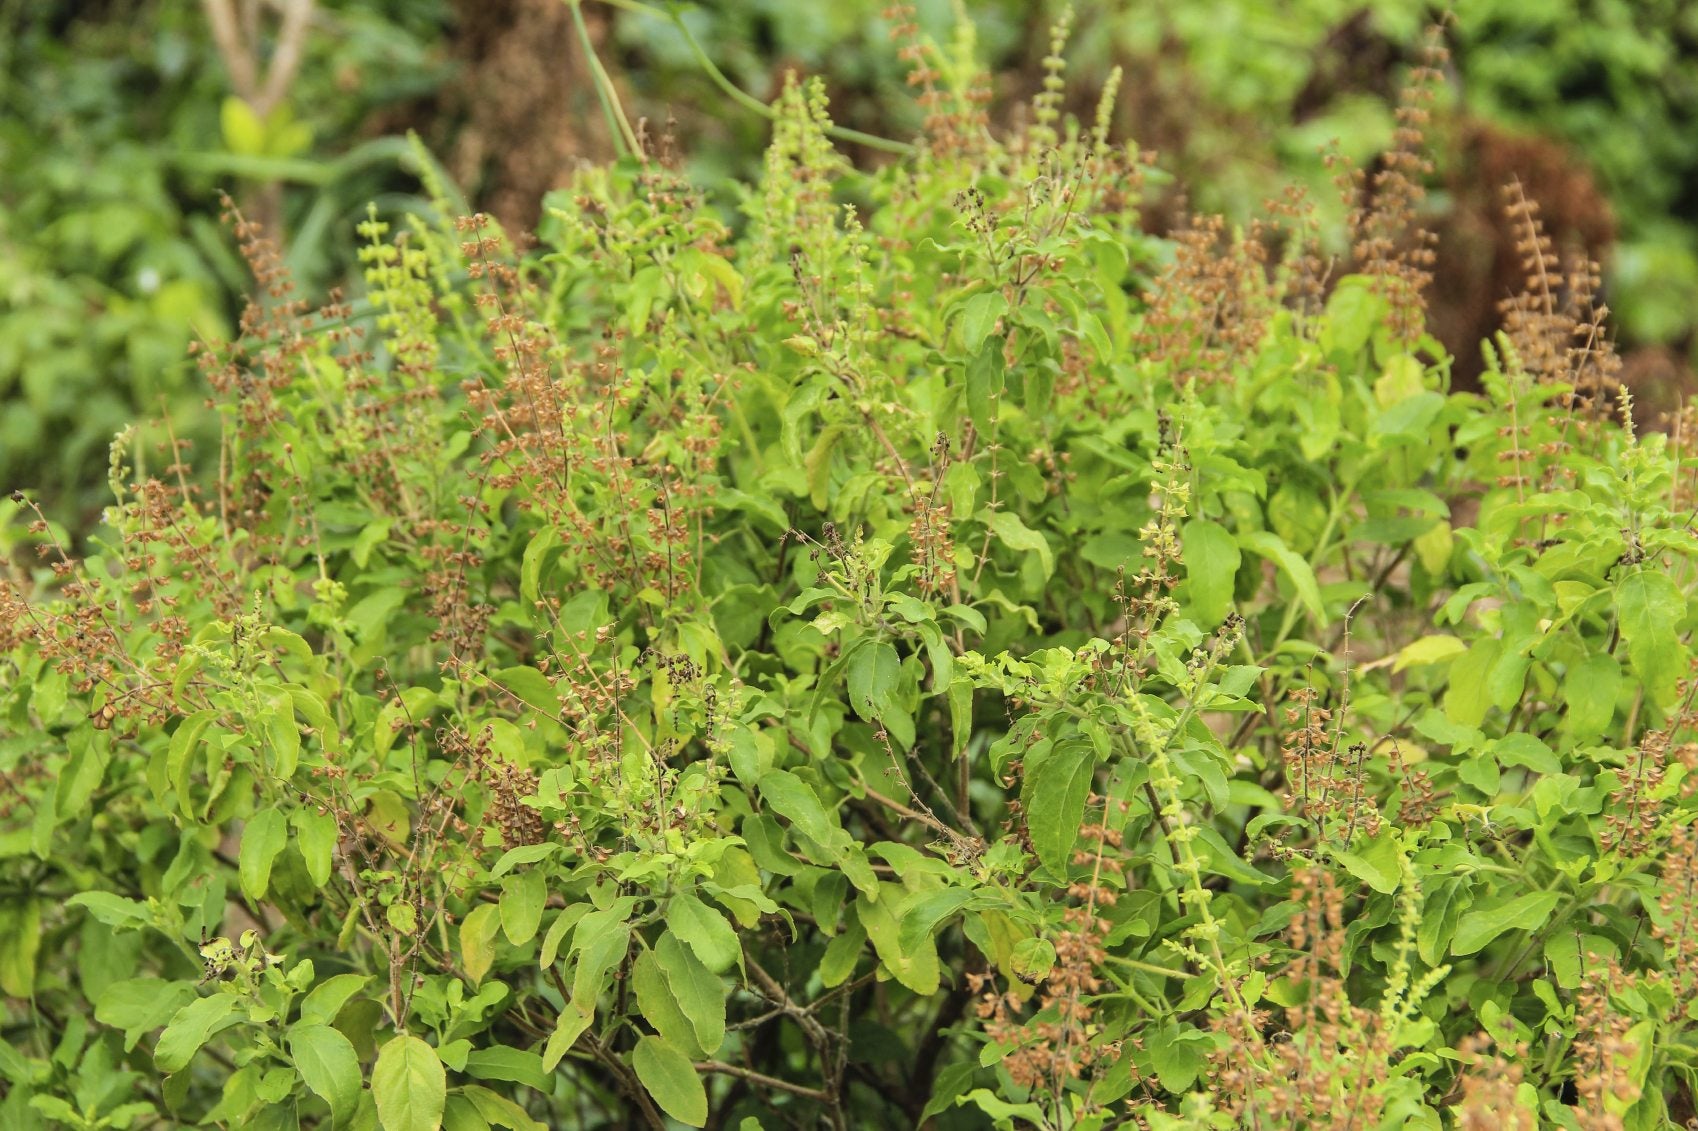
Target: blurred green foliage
{"x": 755, "y": 42}
{"x": 1616, "y": 80}
{"x": 102, "y": 270}
{"x": 118, "y": 129}
{"x": 115, "y": 142}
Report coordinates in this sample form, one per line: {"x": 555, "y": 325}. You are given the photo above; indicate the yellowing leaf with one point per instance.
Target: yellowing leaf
{"x": 1429, "y": 650}
{"x": 522, "y": 900}
{"x": 915, "y": 968}
{"x": 244, "y": 132}
{"x": 409, "y": 1086}
{"x": 477, "y": 940}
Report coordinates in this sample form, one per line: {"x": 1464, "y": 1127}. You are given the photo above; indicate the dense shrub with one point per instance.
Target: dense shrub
{"x": 120, "y": 121}
{"x": 937, "y": 654}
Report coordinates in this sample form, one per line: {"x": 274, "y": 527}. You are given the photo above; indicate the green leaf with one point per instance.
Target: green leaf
{"x": 1355, "y": 310}
{"x": 509, "y": 1065}
{"x": 530, "y": 566}
{"x": 1012, "y": 532}
{"x": 986, "y": 374}
{"x": 477, "y": 940}
{"x": 1054, "y": 801}
{"x": 795, "y": 800}
{"x": 329, "y": 996}
{"x": 1641, "y": 1039}
{"x": 1650, "y": 607}
{"x": 658, "y": 1005}
{"x": 328, "y": 1066}
{"x": 371, "y": 537}
{"x": 409, "y": 1085}
{"x": 531, "y": 687}
{"x": 402, "y": 916}
{"x": 1005, "y": 1113}
{"x": 1032, "y": 959}
{"x": 960, "y": 713}
{"x": 842, "y": 954}
{"x": 938, "y": 652}
{"x": 1270, "y": 546}
{"x": 141, "y": 1005}
{"x": 916, "y": 968}
{"x": 946, "y": 1086}
{"x": 570, "y": 1026}
{"x": 1221, "y": 859}
{"x": 191, "y": 1027}
{"x": 49, "y": 695}
{"x": 1566, "y": 953}
{"x": 874, "y": 673}
{"x": 283, "y": 737}
{"x": 266, "y": 834}
{"x": 671, "y": 1079}
{"x": 113, "y": 910}
{"x": 1468, "y": 697}
{"x": 522, "y": 900}
{"x": 1376, "y": 865}
{"x": 460, "y": 1114}
{"x": 1591, "y": 689}
{"x": 1211, "y": 565}
{"x": 978, "y": 317}
{"x": 524, "y": 854}
{"x": 563, "y": 922}
{"x": 707, "y": 932}
{"x": 1523, "y": 913}
{"x": 1441, "y": 907}
{"x": 371, "y": 615}
{"x": 920, "y": 921}
{"x": 1410, "y": 418}
{"x": 1529, "y": 751}
{"x": 82, "y": 774}
{"x": 1115, "y": 548}
{"x": 499, "y": 1111}
{"x": 1178, "y": 1055}
{"x": 315, "y": 836}
{"x": 697, "y": 991}
{"x": 1403, "y": 378}
{"x": 179, "y": 758}
{"x": 600, "y": 942}
{"x": 818, "y": 464}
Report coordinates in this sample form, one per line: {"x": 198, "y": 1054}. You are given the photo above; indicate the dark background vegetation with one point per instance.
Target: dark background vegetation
{"x": 121, "y": 122}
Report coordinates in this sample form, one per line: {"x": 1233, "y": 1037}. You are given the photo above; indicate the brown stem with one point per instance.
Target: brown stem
{"x": 762, "y": 1079}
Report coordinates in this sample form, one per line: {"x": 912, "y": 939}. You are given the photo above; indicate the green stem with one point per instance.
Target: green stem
{"x": 624, "y": 138}
{"x": 1323, "y": 549}
{"x": 738, "y": 95}
{"x": 1146, "y": 967}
